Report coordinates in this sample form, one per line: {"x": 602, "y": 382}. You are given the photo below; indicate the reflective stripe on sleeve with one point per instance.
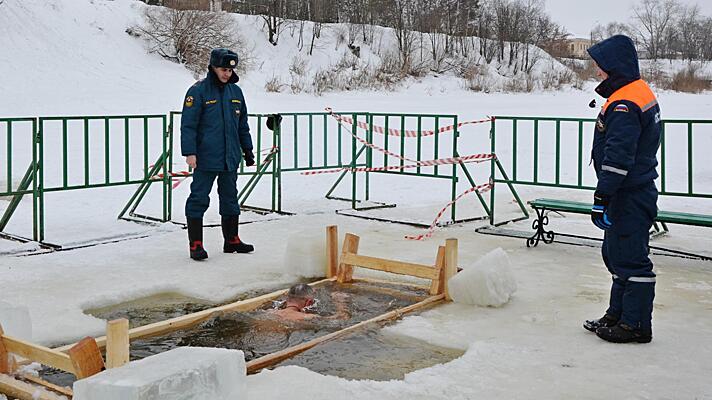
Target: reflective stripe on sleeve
{"x": 614, "y": 169}
{"x": 649, "y": 105}
{"x": 641, "y": 279}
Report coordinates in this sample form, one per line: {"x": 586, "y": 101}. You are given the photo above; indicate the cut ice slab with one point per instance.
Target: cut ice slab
{"x": 488, "y": 282}
{"x": 15, "y": 321}
{"x": 305, "y": 255}
{"x": 185, "y": 373}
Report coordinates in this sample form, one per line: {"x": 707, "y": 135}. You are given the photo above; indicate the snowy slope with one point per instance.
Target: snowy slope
{"x": 74, "y": 57}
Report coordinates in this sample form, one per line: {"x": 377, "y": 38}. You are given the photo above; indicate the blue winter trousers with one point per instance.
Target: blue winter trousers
{"x": 625, "y": 253}
{"x": 199, "y": 198}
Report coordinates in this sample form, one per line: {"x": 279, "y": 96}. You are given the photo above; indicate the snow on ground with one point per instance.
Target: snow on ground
{"x": 532, "y": 347}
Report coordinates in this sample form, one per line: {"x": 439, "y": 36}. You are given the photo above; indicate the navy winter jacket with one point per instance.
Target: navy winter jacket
{"x": 214, "y": 124}
{"x": 627, "y": 134}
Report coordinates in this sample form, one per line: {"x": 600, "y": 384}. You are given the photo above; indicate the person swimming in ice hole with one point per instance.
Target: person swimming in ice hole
{"x": 301, "y": 296}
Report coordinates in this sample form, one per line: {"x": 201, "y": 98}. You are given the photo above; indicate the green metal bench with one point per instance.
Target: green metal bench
{"x": 543, "y": 206}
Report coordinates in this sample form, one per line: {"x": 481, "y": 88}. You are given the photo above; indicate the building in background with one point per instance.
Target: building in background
{"x": 576, "y": 47}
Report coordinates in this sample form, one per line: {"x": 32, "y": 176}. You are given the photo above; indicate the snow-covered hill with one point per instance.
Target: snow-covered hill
{"x": 72, "y": 56}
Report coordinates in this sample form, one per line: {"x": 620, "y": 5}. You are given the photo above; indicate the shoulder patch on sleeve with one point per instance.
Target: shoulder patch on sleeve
{"x": 189, "y": 101}
{"x": 621, "y": 108}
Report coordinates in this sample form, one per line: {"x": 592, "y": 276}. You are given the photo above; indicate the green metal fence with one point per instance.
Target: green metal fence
{"x": 85, "y": 152}
{"x": 317, "y": 141}
{"x": 12, "y": 150}
{"x": 567, "y": 165}
{"x": 58, "y": 166}
{"x": 331, "y": 142}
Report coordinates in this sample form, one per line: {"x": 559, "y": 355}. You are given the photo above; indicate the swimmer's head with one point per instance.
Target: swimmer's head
{"x": 301, "y": 294}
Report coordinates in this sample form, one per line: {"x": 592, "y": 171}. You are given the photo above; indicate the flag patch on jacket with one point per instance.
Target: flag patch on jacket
{"x": 621, "y": 108}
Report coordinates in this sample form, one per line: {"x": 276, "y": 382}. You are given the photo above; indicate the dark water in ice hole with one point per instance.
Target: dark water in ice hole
{"x": 366, "y": 354}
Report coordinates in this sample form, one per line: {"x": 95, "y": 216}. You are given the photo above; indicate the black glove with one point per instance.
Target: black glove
{"x": 249, "y": 158}
{"x": 273, "y": 121}
{"x": 599, "y": 211}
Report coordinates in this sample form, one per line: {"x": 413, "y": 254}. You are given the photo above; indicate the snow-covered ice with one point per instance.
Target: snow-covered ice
{"x": 184, "y": 373}
{"x": 488, "y": 282}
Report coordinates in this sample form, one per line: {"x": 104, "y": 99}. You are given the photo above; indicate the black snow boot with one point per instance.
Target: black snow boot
{"x": 195, "y": 239}
{"x": 233, "y": 244}
{"x": 606, "y": 321}
{"x": 623, "y": 333}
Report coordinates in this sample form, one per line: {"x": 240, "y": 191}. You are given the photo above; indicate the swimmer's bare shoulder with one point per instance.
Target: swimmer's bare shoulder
{"x": 292, "y": 315}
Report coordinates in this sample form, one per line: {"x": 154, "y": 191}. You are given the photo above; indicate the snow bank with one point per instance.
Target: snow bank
{"x": 488, "y": 282}
{"x": 15, "y": 321}
{"x": 179, "y": 374}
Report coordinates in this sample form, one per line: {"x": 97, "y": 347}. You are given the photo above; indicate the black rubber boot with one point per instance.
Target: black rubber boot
{"x": 623, "y": 333}
{"x": 606, "y": 321}
{"x": 195, "y": 239}
{"x": 233, "y": 244}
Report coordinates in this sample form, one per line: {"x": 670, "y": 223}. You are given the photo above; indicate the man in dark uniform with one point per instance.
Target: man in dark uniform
{"x": 625, "y": 145}
{"x": 214, "y": 137}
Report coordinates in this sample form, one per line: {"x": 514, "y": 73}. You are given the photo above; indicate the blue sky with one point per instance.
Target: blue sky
{"x": 580, "y": 16}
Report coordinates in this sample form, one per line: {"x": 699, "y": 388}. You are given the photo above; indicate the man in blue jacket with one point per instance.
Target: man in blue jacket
{"x": 625, "y": 145}
{"x": 214, "y": 137}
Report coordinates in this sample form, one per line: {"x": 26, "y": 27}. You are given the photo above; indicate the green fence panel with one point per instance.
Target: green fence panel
{"x": 523, "y": 136}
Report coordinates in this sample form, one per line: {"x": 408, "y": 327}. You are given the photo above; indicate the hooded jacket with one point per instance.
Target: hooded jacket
{"x": 628, "y": 128}
{"x": 214, "y": 124}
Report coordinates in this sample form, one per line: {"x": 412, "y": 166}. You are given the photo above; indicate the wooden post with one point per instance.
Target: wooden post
{"x": 4, "y": 355}
{"x": 117, "y": 343}
{"x": 86, "y": 358}
{"x": 350, "y": 246}
{"x": 332, "y": 250}
{"x": 450, "y": 264}
{"x": 438, "y": 285}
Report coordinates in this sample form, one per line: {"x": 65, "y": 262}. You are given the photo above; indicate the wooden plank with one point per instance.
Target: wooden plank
{"x": 438, "y": 284}
{"x": 14, "y": 388}
{"x": 450, "y": 264}
{"x": 188, "y": 320}
{"x": 117, "y": 343}
{"x": 332, "y": 250}
{"x": 40, "y": 354}
{"x": 392, "y": 266}
{"x": 350, "y": 246}
{"x": 407, "y": 284}
{"x": 409, "y": 297}
{"x": 51, "y": 386}
{"x": 86, "y": 358}
{"x": 274, "y": 358}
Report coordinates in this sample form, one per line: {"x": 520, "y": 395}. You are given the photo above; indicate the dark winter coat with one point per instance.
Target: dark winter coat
{"x": 628, "y": 129}
{"x": 214, "y": 124}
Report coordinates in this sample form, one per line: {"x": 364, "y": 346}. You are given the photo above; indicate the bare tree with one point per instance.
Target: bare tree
{"x": 274, "y": 19}
{"x": 655, "y": 19}
{"x": 601, "y": 32}
{"x": 689, "y": 31}
{"x": 187, "y": 37}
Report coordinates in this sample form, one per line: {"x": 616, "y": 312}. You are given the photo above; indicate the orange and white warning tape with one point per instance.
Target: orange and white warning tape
{"x": 407, "y": 132}
{"x": 417, "y": 163}
{"x": 179, "y": 177}
{"x": 480, "y": 188}
{"x": 427, "y": 163}
{"x": 176, "y": 177}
